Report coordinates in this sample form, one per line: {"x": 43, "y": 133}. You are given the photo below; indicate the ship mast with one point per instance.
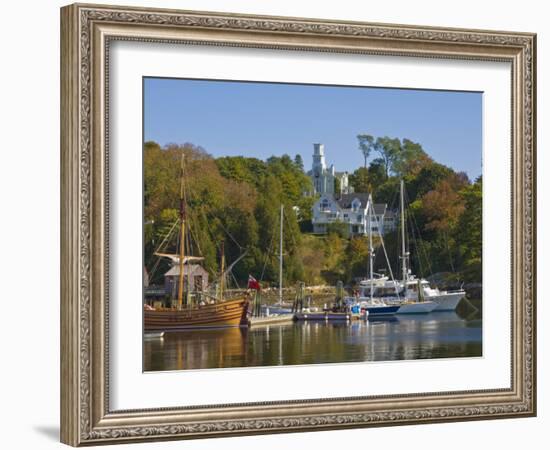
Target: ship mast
{"x": 404, "y": 254}
{"x": 281, "y": 260}
{"x": 182, "y": 237}
{"x": 222, "y": 280}
{"x": 371, "y": 249}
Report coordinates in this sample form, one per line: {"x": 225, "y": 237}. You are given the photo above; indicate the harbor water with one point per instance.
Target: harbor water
{"x": 401, "y": 337}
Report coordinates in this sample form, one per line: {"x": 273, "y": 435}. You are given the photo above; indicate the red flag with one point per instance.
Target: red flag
{"x": 253, "y": 283}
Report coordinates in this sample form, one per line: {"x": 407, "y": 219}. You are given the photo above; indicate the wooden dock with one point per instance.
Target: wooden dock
{"x": 270, "y": 320}
{"x": 324, "y": 316}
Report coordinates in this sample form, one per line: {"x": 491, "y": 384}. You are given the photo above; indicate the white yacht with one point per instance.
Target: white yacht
{"x": 413, "y": 295}
{"x": 430, "y": 299}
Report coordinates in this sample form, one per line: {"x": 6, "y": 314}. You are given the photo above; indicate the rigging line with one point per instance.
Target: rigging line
{"x": 231, "y": 236}
{"x": 216, "y": 241}
{"x": 159, "y": 248}
{"x": 413, "y": 234}
{"x": 234, "y": 263}
{"x": 210, "y": 270}
{"x": 422, "y": 248}
{"x": 288, "y": 228}
{"x": 220, "y": 223}
{"x": 193, "y": 226}
{"x": 188, "y": 217}
{"x": 398, "y": 241}
{"x": 167, "y": 236}
{"x": 394, "y": 200}
{"x": 416, "y": 245}
{"x": 389, "y": 266}
{"x": 191, "y": 219}
{"x": 267, "y": 254}
{"x": 446, "y": 238}
{"x": 235, "y": 280}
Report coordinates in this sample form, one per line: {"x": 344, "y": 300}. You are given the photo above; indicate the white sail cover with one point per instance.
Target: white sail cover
{"x": 176, "y": 258}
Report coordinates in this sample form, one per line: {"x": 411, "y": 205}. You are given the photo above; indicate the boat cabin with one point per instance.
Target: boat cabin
{"x": 194, "y": 273}
{"x": 412, "y": 285}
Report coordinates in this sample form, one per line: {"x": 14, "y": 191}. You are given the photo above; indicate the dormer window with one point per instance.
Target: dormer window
{"x": 325, "y": 205}
{"x": 355, "y": 204}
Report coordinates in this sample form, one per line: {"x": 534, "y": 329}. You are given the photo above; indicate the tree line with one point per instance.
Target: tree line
{"x": 236, "y": 200}
{"x": 444, "y": 214}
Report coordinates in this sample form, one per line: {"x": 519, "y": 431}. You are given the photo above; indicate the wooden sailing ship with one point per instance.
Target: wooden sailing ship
{"x": 186, "y": 314}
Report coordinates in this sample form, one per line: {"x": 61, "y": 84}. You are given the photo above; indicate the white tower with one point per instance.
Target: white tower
{"x": 319, "y": 158}
{"x": 323, "y": 179}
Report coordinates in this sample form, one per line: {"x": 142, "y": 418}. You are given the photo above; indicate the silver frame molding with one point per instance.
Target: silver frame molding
{"x": 86, "y": 32}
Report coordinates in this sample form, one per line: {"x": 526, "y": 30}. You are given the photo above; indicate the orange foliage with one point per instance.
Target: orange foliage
{"x": 442, "y": 206}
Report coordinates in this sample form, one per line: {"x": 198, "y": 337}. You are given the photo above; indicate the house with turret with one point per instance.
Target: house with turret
{"x": 325, "y": 179}
{"x": 345, "y": 206}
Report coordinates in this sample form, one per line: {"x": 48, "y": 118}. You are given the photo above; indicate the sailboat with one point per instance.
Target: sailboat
{"x": 189, "y": 314}
{"x": 280, "y": 311}
{"x": 413, "y": 295}
{"x": 367, "y": 303}
{"x": 279, "y": 308}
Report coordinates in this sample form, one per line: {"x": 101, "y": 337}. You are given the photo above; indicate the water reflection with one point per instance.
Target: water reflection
{"x": 436, "y": 335}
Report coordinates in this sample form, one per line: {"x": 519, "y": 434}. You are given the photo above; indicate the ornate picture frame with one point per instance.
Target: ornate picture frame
{"x": 87, "y": 31}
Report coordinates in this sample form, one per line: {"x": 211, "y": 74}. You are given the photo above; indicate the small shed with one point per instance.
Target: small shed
{"x": 193, "y": 273}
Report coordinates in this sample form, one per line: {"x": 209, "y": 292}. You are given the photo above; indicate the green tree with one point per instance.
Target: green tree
{"x": 410, "y": 159}
{"x": 299, "y": 162}
{"x": 360, "y": 180}
{"x": 338, "y": 228}
{"x": 377, "y": 172}
{"x": 387, "y": 192}
{"x": 366, "y": 144}
{"x": 388, "y": 149}
{"x": 240, "y": 168}
{"x": 356, "y": 258}
{"x": 468, "y": 233}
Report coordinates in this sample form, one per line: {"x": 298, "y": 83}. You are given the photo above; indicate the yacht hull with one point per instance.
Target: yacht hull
{"x": 418, "y": 307}
{"x": 374, "y": 311}
{"x": 447, "y": 301}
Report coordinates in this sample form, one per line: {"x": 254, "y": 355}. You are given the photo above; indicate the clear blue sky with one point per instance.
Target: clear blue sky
{"x": 265, "y": 119}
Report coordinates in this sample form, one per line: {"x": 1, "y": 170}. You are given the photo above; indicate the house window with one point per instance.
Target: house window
{"x": 325, "y": 204}
{"x": 359, "y": 217}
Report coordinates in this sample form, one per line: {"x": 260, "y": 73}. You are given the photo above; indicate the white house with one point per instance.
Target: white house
{"x": 323, "y": 177}
{"x": 351, "y": 210}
